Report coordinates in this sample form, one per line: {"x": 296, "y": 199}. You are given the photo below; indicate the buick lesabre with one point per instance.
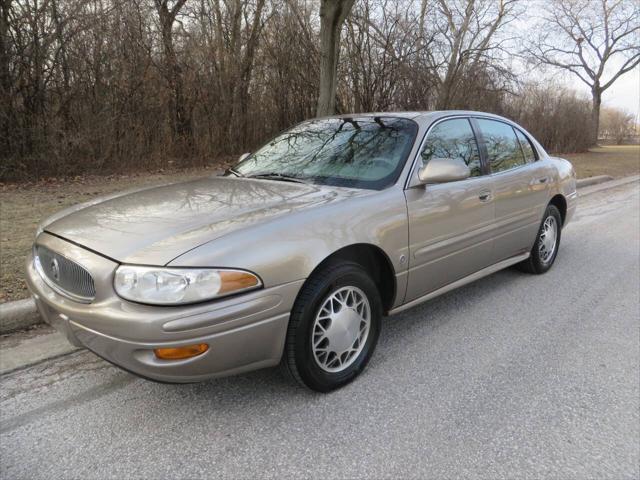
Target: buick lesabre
{"x": 297, "y": 253}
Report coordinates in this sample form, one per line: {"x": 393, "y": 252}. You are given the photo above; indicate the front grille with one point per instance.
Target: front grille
{"x": 64, "y": 275}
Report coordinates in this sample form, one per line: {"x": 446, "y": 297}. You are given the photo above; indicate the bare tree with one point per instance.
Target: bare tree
{"x": 556, "y": 115}
{"x": 332, "y": 15}
{"x": 88, "y": 85}
{"x": 617, "y": 125}
{"x": 467, "y": 31}
{"x": 595, "y": 40}
{"x": 6, "y": 107}
{"x": 181, "y": 115}
{"x": 384, "y": 53}
{"x": 290, "y": 66}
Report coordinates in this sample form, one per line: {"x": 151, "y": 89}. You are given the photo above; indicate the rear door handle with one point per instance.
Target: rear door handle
{"x": 485, "y": 196}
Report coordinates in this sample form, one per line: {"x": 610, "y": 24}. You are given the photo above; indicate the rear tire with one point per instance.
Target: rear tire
{"x": 334, "y": 327}
{"x": 545, "y": 248}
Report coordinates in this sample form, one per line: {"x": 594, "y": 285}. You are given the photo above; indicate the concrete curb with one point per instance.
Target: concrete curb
{"x": 25, "y": 349}
{"x": 607, "y": 185}
{"x": 585, "y": 182}
{"x": 23, "y": 314}
{"x": 18, "y": 315}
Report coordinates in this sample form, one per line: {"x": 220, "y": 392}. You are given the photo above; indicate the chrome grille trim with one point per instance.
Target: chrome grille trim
{"x": 64, "y": 276}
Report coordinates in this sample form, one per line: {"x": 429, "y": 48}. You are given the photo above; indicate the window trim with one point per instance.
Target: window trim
{"x": 484, "y": 167}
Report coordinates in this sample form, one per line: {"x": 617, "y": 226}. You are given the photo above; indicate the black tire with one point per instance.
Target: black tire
{"x": 298, "y": 359}
{"x": 535, "y": 264}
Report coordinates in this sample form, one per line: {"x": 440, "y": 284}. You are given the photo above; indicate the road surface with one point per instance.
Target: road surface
{"x": 514, "y": 376}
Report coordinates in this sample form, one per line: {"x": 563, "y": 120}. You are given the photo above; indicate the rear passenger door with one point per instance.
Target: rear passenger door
{"x": 520, "y": 185}
{"x": 449, "y": 223}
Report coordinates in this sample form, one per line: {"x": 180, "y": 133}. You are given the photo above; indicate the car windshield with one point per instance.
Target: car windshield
{"x": 362, "y": 152}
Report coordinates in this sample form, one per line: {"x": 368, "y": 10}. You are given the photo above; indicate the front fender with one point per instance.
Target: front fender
{"x": 290, "y": 247}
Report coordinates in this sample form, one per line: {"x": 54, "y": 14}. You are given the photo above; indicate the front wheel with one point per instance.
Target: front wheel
{"x": 545, "y": 248}
{"x": 334, "y": 327}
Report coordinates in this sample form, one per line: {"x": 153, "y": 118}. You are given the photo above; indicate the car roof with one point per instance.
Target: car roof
{"x": 426, "y": 116}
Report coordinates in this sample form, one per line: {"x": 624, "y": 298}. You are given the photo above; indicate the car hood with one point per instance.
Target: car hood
{"x": 155, "y": 225}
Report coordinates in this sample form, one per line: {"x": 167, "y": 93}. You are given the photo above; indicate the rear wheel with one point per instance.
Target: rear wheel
{"x": 334, "y": 327}
{"x": 545, "y": 248}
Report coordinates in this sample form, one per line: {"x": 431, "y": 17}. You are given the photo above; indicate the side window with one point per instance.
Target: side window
{"x": 453, "y": 139}
{"x": 527, "y": 148}
{"x": 502, "y": 144}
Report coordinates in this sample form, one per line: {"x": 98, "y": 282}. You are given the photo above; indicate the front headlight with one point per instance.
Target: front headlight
{"x": 172, "y": 286}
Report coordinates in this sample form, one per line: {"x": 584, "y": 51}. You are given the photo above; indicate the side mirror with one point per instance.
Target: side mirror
{"x": 443, "y": 170}
{"x": 243, "y": 156}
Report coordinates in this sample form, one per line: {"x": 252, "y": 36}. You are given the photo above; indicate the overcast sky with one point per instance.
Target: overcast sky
{"x": 625, "y": 93}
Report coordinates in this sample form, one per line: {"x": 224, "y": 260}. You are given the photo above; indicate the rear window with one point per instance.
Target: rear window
{"x": 503, "y": 148}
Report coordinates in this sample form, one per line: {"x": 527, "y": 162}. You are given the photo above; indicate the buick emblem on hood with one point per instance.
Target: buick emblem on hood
{"x": 55, "y": 269}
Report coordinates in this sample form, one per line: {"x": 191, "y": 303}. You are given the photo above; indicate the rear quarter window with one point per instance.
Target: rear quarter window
{"x": 527, "y": 147}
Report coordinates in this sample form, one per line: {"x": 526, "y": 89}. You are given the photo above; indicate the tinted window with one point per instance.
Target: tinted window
{"x": 503, "y": 147}
{"x": 453, "y": 139}
{"x": 527, "y": 148}
{"x": 360, "y": 152}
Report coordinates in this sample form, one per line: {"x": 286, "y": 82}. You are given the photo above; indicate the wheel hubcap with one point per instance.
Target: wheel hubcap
{"x": 548, "y": 238}
{"x": 340, "y": 329}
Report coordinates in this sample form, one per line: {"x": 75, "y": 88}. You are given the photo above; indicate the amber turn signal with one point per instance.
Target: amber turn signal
{"x": 236, "y": 280}
{"x": 180, "y": 353}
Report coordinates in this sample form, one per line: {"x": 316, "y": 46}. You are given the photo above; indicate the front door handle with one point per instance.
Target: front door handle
{"x": 485, "y": 196}
{"x": 543, "y": 180}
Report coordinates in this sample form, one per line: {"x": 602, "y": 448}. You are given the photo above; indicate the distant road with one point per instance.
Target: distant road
{"x": 514, "y": 376}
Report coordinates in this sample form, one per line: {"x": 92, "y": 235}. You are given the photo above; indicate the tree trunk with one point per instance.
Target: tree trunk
{"x": 446, "y": 88}
{"x": 332, "y": 15}
{"x": 241, "y": 98}
{"x": 444, "y": 95}
{"x": 455, "y": 60}
{"x": 64, "y": 67}
{"x": 181, "y": 114}
{"x": 6, "y": 100}
{"x": 596, "y": 101}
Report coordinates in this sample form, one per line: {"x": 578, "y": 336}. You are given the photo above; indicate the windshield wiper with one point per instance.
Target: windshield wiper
{"x": 234, "y": 172}
{"x": 278, "y": 176}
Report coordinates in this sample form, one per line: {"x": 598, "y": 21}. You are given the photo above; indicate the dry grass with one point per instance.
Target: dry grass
{"x": 23, "y": 206}
{"x": 614, "y": 160}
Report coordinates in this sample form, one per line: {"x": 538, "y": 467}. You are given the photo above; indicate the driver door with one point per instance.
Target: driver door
{"x": 450, "y": 224}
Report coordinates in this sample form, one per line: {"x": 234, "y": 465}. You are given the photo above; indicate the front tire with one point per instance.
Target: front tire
{"x": 545, "y": 248}
{"x": 334, "y": 327}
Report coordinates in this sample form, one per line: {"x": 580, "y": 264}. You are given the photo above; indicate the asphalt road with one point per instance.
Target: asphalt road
{"x": 514, "y": 376}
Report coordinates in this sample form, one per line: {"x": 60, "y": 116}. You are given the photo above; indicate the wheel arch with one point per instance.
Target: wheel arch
{"x": 561, "y": 204}
{"x": 375, "y": 262}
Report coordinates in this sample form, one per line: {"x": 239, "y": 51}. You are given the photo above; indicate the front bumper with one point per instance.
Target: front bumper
{"x": 244, "y": 333}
